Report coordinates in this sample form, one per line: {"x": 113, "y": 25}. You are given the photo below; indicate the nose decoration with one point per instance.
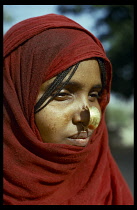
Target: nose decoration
{"x": 95, "y": 117}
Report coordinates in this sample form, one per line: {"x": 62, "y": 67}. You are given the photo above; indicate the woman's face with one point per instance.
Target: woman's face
{"x": 65, "y": 119}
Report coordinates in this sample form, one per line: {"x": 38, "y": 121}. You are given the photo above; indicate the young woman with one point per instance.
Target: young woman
{"x": 56, "y": 88}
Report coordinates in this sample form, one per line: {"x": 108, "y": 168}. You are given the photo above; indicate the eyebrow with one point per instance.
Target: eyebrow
{"x": 77, "y": 85}
{"x": 97, "y": 86}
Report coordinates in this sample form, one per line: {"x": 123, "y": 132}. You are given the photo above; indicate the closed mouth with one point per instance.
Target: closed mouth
{"x": 81, "y": 138}
{"x": 81, "y": 135}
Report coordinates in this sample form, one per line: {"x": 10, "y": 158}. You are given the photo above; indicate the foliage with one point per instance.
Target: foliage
{"x": 120, "y": 123}
{"x": 118, "y": 24}
{"x": 7, "y": 17}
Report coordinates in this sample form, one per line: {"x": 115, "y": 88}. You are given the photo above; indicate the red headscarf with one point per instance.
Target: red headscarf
{"x": 37, "y": 173}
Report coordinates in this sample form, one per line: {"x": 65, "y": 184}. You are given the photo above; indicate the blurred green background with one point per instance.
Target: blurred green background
{"x": 113, "y": 25}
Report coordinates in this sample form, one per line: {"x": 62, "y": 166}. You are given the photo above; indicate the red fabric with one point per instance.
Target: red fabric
{"x": 37, "y": 173}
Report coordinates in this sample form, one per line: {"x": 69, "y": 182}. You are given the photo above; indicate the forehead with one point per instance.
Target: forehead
{"x": 87, "y": 74}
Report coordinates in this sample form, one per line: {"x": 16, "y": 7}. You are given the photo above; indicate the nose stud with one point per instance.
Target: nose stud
{"x": 95, "y": 117}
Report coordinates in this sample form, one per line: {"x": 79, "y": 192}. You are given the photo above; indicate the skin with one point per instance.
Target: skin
{"x": 68, "y": 112}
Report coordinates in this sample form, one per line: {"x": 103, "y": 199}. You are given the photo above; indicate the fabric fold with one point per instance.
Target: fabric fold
{"x": 37, "y": 173}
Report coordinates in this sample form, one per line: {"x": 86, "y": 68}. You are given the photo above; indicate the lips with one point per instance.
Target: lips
{"x": 80, "y": 139}
{"x": 81, "y": 135}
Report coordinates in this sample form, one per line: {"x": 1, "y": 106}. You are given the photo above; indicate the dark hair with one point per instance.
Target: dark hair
{"x": 103, "y": 71}
{"x": 58, "y": 80}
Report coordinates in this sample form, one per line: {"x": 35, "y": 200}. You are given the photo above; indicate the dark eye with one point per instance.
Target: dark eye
{"x": 94, "y": 95}
{"x": 62, "y": 96}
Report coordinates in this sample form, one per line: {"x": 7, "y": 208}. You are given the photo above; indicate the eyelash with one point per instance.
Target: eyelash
{"x": 62, "y": 96}
{"x": 95, "y": 95}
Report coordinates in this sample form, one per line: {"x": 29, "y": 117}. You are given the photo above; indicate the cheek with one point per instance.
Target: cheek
{"x": 45, "y": 122}
{"x": 66, "y": 118}
{"x": 50, "y": 123}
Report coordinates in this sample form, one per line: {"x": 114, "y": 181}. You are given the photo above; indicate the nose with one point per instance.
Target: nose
{"x": 82, "y": 116}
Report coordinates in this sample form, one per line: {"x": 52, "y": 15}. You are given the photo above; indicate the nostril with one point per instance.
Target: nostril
{"x": 85, "y": 108}
{"x": 85, "y": 116}
{"x": 82, "y": 117}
